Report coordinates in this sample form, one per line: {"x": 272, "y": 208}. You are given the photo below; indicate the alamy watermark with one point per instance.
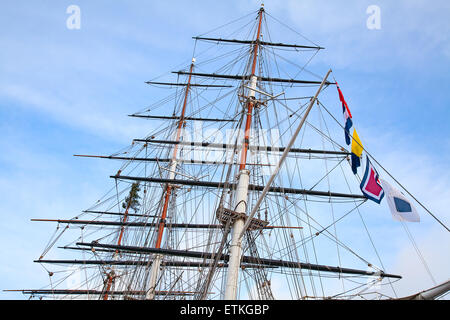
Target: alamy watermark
{"x": 213, "y": 145}
{"x": 374, "y": 20}
{"x": 73, "y": 22}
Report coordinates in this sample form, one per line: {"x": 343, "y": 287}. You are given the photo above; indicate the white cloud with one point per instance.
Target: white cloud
{"x": 78, "y": 113}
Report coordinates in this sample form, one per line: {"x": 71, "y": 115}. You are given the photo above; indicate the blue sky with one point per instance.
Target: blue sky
{"x": 65, "y": 91}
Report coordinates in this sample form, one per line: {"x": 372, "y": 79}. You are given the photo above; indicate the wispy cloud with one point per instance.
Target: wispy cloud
{"x": 87, "y": 115}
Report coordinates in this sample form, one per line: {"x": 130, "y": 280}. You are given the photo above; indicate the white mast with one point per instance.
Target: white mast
{"x": 236, "y": 242}
{"x": 241, "y": 194}
{"x": 154, "y": 272}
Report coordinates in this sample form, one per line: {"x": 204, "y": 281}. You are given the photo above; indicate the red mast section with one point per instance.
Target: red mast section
{"x": 251, "y": 102}
{"x": 168, "y": 190}
{"x": 181, "y": 123}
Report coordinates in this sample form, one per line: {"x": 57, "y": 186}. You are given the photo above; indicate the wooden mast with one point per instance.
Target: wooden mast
{"x": 111, "y": 275}
{"x": 283, "y": 157}
{"x": 241, "y": 194}
{"x": 173, "y": 165}
{"x": 251, "y": 102}
{"x": 174, "y": 161}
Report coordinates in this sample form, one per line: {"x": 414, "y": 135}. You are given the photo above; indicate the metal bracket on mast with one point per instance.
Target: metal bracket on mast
{"x": 264, "y": 93}
{"x": 224, "y": 215}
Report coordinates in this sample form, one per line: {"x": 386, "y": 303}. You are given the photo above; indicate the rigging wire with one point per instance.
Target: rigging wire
{"x": 390, "y": 175}
{"x": 189, "y": 205}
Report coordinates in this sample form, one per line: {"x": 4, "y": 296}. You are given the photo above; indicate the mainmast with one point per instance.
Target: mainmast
{"x": 241, "y": 193}
{"x": 172, "y": 170}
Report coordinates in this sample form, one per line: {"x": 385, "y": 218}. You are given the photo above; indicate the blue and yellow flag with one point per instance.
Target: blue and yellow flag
{"x": 357, "y": 149}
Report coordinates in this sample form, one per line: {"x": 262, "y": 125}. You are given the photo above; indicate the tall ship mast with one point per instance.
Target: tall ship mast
{"x": 245, "y": 188}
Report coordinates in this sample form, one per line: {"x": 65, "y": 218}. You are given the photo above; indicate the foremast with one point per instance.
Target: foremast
{"x": 241, "y": 193}
{"x": 167, "y": 194}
